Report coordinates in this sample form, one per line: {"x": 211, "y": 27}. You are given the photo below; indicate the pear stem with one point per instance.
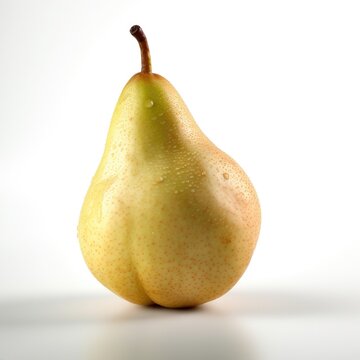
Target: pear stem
{"x": 137, "y": 32}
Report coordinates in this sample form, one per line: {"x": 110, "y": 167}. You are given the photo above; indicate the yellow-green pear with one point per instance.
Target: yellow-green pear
{"x": 168, "y": 218}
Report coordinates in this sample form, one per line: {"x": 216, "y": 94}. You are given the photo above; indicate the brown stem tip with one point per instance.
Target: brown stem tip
{"x": 139, "y": 35}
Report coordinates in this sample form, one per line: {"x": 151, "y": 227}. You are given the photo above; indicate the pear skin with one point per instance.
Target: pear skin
{"x": 168, "y": 218}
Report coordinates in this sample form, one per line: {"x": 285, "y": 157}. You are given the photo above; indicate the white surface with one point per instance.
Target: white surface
{"x": 249, "y": 325}
{"x": 274, "y": 84}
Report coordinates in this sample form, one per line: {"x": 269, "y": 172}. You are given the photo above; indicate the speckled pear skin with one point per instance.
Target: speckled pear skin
{"x": 168, "y": 218}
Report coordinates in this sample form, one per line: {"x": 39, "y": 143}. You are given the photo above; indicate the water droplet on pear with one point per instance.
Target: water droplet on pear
{"x": 149, "y": 103}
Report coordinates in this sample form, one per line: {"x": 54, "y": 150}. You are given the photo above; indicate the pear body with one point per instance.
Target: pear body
{"x": 168, "y": 218}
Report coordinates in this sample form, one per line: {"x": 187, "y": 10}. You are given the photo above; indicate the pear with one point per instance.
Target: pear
{"x": 169, "y": 218}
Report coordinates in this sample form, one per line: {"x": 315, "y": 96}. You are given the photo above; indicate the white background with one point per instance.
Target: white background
{"x": 275, "y": 84}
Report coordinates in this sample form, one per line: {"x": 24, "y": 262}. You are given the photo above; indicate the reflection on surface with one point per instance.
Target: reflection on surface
{"x": 155, "y": 333}
{"x": 238, "y": 326}
{"x": 109, "y": 328}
